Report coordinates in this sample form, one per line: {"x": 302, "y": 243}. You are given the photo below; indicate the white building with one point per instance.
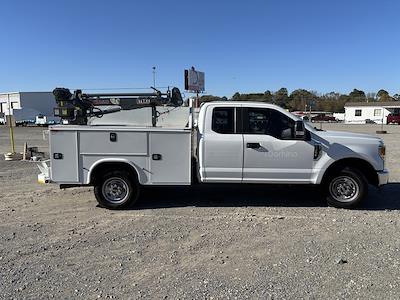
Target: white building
{"x": 361, "y": 112}
{"x": 27, "y": 105}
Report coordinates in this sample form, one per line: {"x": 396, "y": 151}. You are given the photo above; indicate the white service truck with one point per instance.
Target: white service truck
{"x": 232, "y": 142}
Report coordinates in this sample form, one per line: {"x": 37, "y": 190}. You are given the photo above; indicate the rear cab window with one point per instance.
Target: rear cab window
{"x": 223, "y": 120}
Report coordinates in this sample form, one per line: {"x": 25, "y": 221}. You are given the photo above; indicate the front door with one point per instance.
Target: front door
{"x": 271, "y": 152}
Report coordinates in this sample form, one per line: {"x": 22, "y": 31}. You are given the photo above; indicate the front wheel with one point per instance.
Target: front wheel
{"x": 116, "y": 190}
{"x": 346, "y": 188}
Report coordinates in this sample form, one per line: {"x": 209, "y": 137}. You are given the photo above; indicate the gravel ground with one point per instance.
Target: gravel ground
{"x": 219, "y": 241}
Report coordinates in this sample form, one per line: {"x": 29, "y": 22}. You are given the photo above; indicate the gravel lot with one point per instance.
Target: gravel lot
{"x": 211, "y": 242}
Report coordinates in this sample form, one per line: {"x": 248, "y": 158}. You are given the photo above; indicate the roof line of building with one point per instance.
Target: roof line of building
{"x": 389, "y": 103}
{"x": 13, "y": 93}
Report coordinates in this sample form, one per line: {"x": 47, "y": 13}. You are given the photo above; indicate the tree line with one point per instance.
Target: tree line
{"x": 302, "y": 99}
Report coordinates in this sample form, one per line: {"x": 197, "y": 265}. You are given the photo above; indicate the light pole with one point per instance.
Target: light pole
{"x": 10, "y": 125}
{"x": 154, "y": 77}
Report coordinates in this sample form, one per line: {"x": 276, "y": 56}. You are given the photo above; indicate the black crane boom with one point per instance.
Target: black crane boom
{"x": 77, "y": 107}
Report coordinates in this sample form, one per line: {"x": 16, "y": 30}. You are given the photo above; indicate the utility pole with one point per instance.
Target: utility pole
{"x": 10, "y": 125}
{"x": 154, "y": 77}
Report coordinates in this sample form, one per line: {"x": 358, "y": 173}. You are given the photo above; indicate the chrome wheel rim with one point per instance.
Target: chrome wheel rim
{"x": 344, "y": 189}
{"x": 115, "y": 190}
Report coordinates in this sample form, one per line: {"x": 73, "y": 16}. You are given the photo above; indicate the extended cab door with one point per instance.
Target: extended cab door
{"x": 220, "y": 146}
{"x": 271, "y": 151}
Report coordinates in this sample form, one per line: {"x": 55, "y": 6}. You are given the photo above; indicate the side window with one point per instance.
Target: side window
{"x": 358, "y": 113}
{"x": 268, "y": 121}
{"x": 223, "y": 120}
{"x": 281, "y": 126}
{"x": 257, "y": 121}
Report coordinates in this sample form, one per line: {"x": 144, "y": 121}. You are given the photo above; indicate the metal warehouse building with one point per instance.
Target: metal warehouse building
{"x": 360, "y": 112}
{"x": 27, "y": 105}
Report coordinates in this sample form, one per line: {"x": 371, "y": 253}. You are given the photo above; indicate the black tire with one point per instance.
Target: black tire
{"x": 346, "y": 188}
{"x": 117, "y": 190}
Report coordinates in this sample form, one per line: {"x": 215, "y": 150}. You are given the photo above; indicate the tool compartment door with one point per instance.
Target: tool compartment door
{"x": 170, "y": 158}
{"x": 64, "y": 156}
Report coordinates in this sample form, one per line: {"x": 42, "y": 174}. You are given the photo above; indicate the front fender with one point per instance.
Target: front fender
{"x": 326, "y": 161}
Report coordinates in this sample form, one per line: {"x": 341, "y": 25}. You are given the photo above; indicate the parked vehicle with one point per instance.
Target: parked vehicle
{"x": 339, "y": 117}
{"x": 393, "y": 119}
{"x": 305, "y": 118}
{"x": 24, "y": 122}
{"x": 234, "y": 142}
{"x": 323, "y": 118}
{"x": 41, "y": 120}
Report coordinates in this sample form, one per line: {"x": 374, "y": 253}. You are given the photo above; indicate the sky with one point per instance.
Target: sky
{"x": 242, "y": 46}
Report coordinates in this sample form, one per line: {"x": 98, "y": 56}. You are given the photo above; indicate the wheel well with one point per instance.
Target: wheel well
{"x": 100, "y": 169}
{"x": 354, "y": 163}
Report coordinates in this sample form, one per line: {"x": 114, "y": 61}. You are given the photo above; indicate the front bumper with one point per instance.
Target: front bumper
{"x": 383, "y": 177}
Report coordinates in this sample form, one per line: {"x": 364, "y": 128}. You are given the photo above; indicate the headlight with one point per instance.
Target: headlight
{"x": 382, "y": 151}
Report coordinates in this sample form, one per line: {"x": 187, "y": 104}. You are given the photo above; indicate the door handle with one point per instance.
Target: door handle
{"x": 253, "y": 145}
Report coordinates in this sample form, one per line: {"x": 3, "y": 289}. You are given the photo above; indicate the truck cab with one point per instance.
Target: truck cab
{"x": 246, "y": 142}
{"x": 253, "y": 143}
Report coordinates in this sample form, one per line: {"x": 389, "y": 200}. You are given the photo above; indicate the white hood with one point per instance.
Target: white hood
{"x": 342, "y": 135}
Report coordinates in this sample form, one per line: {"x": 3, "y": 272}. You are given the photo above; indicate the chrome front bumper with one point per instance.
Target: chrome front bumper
{"x": 383, "y": 177}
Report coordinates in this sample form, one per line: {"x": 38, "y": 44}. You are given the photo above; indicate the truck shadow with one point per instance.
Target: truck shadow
{"x": 236, "y": 195}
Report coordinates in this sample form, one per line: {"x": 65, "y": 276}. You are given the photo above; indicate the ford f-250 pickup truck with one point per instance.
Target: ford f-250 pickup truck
{"x": 232, "y": 142}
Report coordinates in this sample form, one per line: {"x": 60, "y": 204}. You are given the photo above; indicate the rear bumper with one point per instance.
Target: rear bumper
{"x": 383, "y": 177}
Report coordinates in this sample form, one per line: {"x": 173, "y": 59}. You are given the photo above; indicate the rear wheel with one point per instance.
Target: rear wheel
{"x": 116, "y": 190}
{"x": 346, "y": 188}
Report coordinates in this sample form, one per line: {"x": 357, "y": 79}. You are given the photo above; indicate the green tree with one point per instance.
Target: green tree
{"x": 381, "y": 93}
{"x": 268, "y": 96}
{"x": 236, "y": 96}
{"x": 209, "y": 98}
{"x": 260, "y": 97}
{"x": 300, "y": 98}
{"x": 383, "y": 96}
{"x": 332, "y": 101}
{"x": 357, "y": 96}
{"x": 281, "y": 98}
